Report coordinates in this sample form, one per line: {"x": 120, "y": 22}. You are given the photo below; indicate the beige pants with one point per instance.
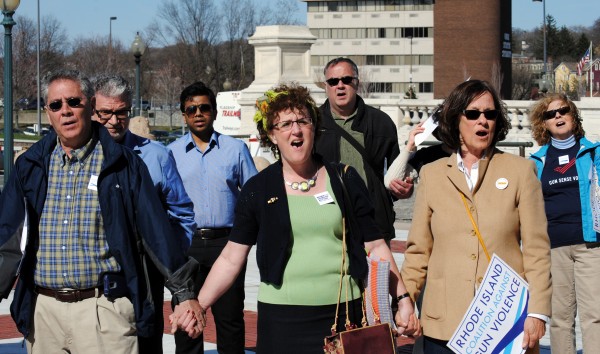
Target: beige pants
{"x": 94, "y": 325}
{"x": 575, "y": 290}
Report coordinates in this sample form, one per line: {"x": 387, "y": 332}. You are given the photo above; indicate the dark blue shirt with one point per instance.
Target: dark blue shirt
{"x": 560, "y": 185}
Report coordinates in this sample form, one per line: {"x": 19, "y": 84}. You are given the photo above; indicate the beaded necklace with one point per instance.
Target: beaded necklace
{"x": 304, "y": 186}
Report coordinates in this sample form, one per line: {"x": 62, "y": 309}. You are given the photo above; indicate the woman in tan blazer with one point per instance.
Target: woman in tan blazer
{"x": 505, "y": 199}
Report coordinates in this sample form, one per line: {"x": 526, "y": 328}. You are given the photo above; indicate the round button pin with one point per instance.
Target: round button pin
{"x": 501, "y": 183}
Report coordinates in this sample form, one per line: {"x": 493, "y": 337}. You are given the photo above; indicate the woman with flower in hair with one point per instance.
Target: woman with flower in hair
{"x": 565, "y": 163}
{"x": 292, "y": 211}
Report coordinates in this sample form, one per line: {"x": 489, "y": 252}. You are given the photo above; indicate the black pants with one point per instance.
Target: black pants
{"x": 228, "y": 311}
{"x": 435, "y": 346}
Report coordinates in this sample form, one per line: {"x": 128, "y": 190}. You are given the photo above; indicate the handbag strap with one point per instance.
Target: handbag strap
{"x": 475, "y": 226}
{"x": 344, "y": 270}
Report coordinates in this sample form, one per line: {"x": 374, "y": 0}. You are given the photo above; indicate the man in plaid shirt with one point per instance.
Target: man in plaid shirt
{"x": 93, "y": 220}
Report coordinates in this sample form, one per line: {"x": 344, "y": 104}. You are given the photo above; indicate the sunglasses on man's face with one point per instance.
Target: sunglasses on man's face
{"x": 204, "y": 109}
{"x": 551, "y": 114}
{"x": 346, "y": 80}
{"x": 73, "y": 102}
{"x": 473, "y": 114}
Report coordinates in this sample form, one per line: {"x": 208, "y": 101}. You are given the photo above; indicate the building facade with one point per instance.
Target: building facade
{"x": 394, "y": 42}
{"x": 473, "y": 40}
{"x": 390, "y": 40}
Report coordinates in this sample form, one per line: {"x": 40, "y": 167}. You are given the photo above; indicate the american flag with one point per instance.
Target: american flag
{"x": 584, "y": 60}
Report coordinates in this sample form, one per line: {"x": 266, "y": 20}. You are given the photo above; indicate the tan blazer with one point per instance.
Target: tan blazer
{"x": 443, "y": 248}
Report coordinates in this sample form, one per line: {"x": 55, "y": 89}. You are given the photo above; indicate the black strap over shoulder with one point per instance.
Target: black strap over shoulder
{"x": 348, "y": 212}
{"x": 355, "y": 144}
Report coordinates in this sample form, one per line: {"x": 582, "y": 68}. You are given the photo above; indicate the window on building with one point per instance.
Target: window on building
{"x": 425, "y": 86}
{"x": 425, "y": 60}
{"x": 332, "y": 6}
{"x": 390, "y": 60}
{"x": 348, "y": 6}
{"x": 374, "y": 59}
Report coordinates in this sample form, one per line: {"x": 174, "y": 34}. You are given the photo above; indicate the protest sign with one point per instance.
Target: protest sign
{"x": 229, "y": 113}
{"x": 494, "y": 321}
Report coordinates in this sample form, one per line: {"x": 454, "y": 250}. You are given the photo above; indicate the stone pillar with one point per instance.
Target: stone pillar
{"x": 281, "y": 55}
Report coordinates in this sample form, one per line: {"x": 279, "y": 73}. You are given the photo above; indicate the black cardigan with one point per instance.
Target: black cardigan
{"x": 262, "y": 218}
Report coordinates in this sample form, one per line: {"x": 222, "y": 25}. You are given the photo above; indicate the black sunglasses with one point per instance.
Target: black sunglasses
{"x": 204, "y": 109}
{"x": 73, "y": 102}
{"x": 346, "y": 80}
{"x": 473, "y": 114}
{"x": 551, "y": 114}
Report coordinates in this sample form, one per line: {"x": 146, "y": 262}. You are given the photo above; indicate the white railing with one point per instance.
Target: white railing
{"x": 408, "y": 113}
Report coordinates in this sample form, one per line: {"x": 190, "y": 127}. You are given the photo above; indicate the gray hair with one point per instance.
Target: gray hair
{"x": 67, "y": 74}
{"x": 336, "y": 61}
{"x": 114, "y": 86}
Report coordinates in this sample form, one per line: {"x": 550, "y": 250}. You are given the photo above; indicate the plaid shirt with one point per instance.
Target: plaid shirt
{"x": 73, "y": 250}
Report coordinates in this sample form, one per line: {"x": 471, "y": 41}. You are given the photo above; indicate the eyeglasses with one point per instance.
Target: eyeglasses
{"x": 551, "y": 114}
{"x": 346, "y": 80}
{"x": 121, "y": 114}
{"x": 473, "y": 114}
{"x": 288, "y": 124}
{"x": 204, "y": 109}
{"x": 73, "y": 102}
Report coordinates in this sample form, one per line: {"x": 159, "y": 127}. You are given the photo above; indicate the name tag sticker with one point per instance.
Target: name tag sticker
{"x": 324, "y": 198}
{"x": 563, "y": 159}
{"x": 93, "y": 184}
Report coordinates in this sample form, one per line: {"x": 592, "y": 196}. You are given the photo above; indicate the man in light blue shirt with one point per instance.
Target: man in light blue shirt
{"x": 112, "y": 107}
{"x": 213, "y": 167}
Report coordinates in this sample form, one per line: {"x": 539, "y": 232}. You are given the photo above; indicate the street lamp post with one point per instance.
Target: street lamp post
{"x": 138, "y": 47}
{"x": 544, "y": 30}
{"x": 8, "y": 8}
{"x": 411, "y": 61}
{"x": 112, "y": 18}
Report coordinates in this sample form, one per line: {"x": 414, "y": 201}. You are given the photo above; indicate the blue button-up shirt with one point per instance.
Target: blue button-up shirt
{"x": 168, "y": 184}
{"x": 213, "y": 178}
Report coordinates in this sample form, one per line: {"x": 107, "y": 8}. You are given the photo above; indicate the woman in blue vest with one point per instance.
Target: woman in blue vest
{"x": 565, "y": 164}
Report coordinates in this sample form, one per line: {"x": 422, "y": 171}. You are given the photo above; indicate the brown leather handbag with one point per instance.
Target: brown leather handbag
{"x": 375, "y": 339}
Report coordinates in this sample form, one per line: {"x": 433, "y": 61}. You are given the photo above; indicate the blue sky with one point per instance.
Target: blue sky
{"x": 83, "y": 18}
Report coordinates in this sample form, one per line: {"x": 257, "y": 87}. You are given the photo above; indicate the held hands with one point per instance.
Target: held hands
{"x": 190, "y": 317}
{"x": 406, "y": 320}
{"x": 534, "y": 329}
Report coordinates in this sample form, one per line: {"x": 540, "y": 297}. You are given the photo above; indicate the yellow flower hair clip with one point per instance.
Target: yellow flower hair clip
{"x": 262, "y": 106}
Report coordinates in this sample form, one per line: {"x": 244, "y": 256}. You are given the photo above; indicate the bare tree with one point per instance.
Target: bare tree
{"x": 282, "y": 13}
{"x": 522, "y": 82}
{"x": 24, "y": 59}
{"x": 167, "y": 87}
{"x": 193, "y": 26}
{"x": 239, "y": 17}
{"x": 366, "y": 86}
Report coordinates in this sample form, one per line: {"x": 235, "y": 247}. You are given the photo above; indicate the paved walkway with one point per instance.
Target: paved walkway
{"x": 12, "y": 343}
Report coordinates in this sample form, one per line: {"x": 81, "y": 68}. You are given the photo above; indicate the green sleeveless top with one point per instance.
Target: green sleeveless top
{"x": 312, "y": 273}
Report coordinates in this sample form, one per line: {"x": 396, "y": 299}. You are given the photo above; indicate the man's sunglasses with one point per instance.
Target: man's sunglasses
{"x": 473, "y": 114}
{"x": 346, "y": 80}
{"x": 551, "y": 114}
{"x": 72, "y": 102}
{"x": 204, "y": 109}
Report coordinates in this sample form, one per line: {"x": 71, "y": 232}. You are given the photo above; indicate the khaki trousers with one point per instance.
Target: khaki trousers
{"x": 575, "y": 289}
{"x": 95, "y": 325}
